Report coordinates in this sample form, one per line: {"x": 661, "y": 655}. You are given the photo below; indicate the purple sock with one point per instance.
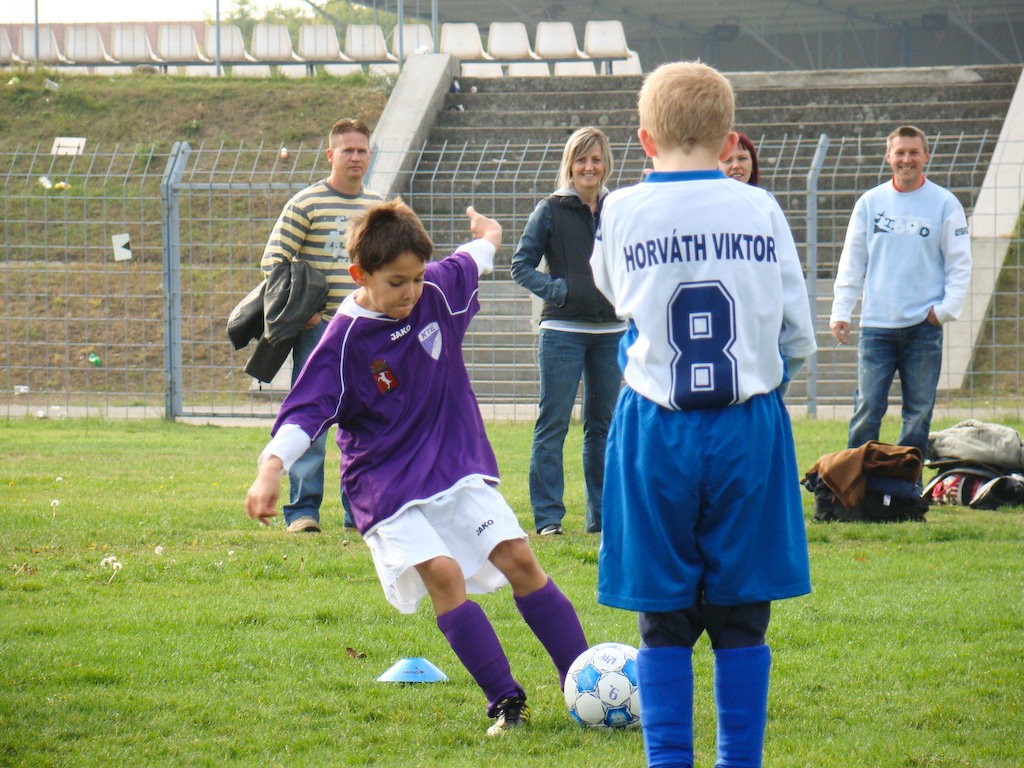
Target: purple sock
{"x": 472, "y": 637}
{"x": 553, "y": 620}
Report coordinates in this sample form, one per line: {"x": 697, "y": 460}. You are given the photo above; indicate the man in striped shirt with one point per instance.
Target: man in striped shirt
{"x": 312, "y": 227}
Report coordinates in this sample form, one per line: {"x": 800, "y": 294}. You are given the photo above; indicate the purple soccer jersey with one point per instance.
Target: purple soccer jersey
{"x": 409, "y": 427}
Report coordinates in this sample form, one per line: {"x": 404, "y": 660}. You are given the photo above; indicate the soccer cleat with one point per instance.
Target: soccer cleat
{"x": 551, "y": 530}
{"x": 304, "y": 524}
{"x": 510, "y": 713}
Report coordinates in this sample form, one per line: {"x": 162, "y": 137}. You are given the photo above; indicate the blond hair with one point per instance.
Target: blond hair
{"x": 908, "y": 132}
{"x": 581, "y": 144}
{"x": 686, "y": 104}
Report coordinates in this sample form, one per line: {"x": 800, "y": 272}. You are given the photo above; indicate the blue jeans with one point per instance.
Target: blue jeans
{"x": 564, "y": 357}
{"x": 916, "y": 352}
{"x": 306, "y": 477}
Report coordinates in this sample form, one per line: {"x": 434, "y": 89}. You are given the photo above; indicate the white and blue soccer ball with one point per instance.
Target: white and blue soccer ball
{"x": 601, "y": 687}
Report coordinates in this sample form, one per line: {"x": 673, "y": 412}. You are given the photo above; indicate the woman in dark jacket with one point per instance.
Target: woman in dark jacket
{"x": 579, "y": 333}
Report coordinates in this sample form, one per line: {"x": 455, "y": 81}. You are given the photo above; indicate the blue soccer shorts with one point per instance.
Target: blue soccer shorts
{"x": 701, "y": 505}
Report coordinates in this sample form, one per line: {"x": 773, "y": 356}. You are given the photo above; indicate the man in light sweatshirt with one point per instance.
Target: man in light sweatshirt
{"x": 908, "y": 251}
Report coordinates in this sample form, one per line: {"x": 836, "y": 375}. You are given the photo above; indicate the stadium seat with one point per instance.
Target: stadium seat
{"x": 365, "y": 42}
{"x": 556, "y": 40}
{"x": 49, "y": 51}
{"x": 272, "y": 42}
{"x": 84, "y": 45}
{"x": 416, "y": 38}
{"x": 7, "y": 54}
{"x": 509, "y": 40}
{"x": 462, "y": 40}
{"x": 232, "y": 51}
{"x": 529, "y": 69}
{"x": 481, "y": 69}
{"x": 129, "y": 43}
{"x": 319, "y": 42}
{"x": 606, "y": 40}
{"x": 574, "y": 68}
{"x": 178, "y": 42}
{"x": 630, "y": 66}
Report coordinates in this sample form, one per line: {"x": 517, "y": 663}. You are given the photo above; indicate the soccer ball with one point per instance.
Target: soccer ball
{"x": 600, "y": 688}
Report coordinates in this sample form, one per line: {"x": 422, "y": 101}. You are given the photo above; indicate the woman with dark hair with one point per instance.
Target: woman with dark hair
{"x": 741, "y": 164}
{"x": 579, "y": 333}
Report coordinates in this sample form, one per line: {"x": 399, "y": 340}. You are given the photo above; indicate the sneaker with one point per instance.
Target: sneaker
{"x": 305, "y": 524}
{"x": 555, "y": 529}
{"x": 510, "y": 713}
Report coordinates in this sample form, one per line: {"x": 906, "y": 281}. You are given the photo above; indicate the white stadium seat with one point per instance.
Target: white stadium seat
{"x": 574, "y": 68}
{"x": 7, "y": 54}
{"x": 416, "y": 38}
{"x": 556, "y": 40}
{"x": 365, "y": 42}
{"x": 319, "y": 42}
{"x": 130, "y": 43}
{"x": 462, "y": 40}
{"x": 49, "y": 51}
{"x": 481, "y": 69}
{"x": 630, "y": 66}
{"x": 272, "y": 42}
{"x": 529, "y": 69}
{"x": 509, "y": 40}
{"x": 607, "y": 40}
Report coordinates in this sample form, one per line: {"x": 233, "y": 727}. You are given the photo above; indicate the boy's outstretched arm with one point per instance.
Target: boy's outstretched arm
{"x": 484, "y": 228}
{"x": 265, "y": 490}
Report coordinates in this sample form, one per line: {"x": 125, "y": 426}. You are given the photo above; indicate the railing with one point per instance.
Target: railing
{"x": 94, "y": 325}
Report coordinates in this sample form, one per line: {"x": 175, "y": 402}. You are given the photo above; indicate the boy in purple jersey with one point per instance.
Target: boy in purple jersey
{"x": 415, "y": 460}
{"x": 703, "y": 522}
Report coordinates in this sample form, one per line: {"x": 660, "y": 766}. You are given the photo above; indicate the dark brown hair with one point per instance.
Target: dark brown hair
{"x": 755, "y": 167}
{"x": 376, "y": 236}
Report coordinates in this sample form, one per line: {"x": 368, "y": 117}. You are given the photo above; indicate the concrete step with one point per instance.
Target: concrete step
{"x": 543, "y": 100}
{"x": 808, "y": 129}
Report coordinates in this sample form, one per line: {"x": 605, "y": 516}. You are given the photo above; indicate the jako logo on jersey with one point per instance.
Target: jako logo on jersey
{"x": 400, "y": 333}
{"x": 899, "y": 225}
{"x": 384, "y": 376}
{"x": 484, "y": 527}
{"x": 430, "y": 338}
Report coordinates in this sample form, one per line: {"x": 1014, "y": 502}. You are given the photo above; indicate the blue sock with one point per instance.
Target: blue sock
{"x": 665, "y": 677}
{"x": 741, "y": 696}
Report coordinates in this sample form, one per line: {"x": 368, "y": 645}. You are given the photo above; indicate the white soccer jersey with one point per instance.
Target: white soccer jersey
{"x": 705, "y": 270}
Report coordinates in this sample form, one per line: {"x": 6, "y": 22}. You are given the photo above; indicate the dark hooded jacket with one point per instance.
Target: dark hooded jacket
{"x": 275, "y": 312}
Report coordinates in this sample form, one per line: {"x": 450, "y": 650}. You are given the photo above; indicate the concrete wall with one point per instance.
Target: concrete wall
{"x": 993, "y": 225}
{"x": 408, "y": 117}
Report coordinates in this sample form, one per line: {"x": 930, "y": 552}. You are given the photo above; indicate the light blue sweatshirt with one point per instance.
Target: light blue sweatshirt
{"x": 906, "y": 252}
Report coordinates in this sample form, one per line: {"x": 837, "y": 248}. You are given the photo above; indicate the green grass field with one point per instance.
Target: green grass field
{"x": 221, "y": 643}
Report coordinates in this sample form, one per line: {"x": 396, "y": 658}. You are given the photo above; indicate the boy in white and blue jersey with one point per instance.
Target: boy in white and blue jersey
{"x": 703, "y": 523}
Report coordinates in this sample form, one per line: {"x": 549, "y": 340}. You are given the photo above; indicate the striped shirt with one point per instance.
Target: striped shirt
{"x": 312, "y": 228}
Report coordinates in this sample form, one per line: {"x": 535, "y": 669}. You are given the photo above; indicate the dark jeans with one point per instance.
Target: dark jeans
{"x": 306, "y": 477}
{"x": 564, "y": 357}
{"x": 916, "y": 352}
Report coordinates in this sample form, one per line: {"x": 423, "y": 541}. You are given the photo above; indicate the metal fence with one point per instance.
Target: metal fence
{"x": 119, "y": 266}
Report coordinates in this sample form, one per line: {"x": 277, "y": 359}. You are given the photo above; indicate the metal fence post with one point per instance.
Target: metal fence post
{"x": 171, "y": 239}
{"x": 812, "y": 262}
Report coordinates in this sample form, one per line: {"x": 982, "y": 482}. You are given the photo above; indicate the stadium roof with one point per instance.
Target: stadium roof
{"x": 661, "y": 22}
{"x": 763, "y": 16}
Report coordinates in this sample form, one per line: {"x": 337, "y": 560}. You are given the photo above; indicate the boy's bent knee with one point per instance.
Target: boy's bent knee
{"x": 519, "y": 565}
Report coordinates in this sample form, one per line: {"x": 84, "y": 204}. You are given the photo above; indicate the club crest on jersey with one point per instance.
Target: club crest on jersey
{"x": 384, "y": 376}
{"x": 430, "y": 338}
